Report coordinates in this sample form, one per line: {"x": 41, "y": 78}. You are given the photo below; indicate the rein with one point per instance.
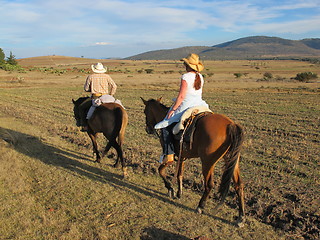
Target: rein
{"x": 156, "y": 132}
{"x": 181, "y": 147}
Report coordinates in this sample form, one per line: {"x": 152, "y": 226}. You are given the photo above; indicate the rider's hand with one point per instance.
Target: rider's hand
{"x": 170, "y": 113}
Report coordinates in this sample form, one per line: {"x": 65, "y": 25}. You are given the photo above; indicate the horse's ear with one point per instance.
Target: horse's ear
{"x": 74, "y": 102}
{"x": 159, "y": 99}
{"x": 144, "y": 101}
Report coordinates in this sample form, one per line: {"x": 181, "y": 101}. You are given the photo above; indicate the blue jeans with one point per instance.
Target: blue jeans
{"x": 168, "y": 147}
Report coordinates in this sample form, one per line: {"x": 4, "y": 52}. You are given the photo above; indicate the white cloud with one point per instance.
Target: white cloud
{"x": 102, "y": 43}
{"x": 295, "y": 27}
{"x": 78, "y": 23}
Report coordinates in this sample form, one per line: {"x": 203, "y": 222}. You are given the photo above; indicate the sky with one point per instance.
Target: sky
{"x": 122, "y": 28}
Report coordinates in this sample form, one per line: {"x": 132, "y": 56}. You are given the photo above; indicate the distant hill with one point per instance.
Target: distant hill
{"x": 257, "y": 47}
{"x": 54, "y": 61}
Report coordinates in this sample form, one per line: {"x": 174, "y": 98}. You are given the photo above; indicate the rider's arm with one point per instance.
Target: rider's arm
{"x": 180, "y": 98}
{"x": 87, "y": 85}
{"x": 112, "y": 85}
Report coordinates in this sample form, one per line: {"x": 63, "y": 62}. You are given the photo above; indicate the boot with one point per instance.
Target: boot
{"x": 166, "y": 158}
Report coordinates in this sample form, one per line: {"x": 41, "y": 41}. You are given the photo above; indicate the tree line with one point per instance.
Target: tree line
{"x": 11, "y": 59}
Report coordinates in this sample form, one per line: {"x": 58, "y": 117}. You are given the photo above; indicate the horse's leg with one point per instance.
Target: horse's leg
{"x": 106, "y": 149}
{"x": 118, "y": 148}
{"x": 120, "y": 156}
{"x": 95, "y": 145}
{"x": 239, "y": 190}
{"x": 208, "y": 186}
{"x": 167, "y": 183}
{"x": 180, "y": 178}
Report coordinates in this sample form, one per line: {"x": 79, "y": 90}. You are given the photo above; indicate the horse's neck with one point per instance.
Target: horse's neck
{"x": 159, "y": 113}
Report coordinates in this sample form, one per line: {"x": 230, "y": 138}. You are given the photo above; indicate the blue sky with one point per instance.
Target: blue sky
{"x": 122, "y": 28}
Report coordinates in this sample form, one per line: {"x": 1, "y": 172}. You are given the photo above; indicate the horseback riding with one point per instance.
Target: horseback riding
{"x": 213, "y": 137}
{"x": 102, "y": 113}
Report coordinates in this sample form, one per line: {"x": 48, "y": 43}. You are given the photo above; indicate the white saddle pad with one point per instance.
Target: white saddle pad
{"x": 191, "y": 111}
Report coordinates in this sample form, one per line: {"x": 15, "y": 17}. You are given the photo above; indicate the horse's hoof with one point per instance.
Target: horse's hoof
{"x": 116, "y": 165}
{"x": 199, "y": 210}
{"x": 179, "y": 195}
{"x": 125, "y": 176}
{"x": 240, "y": 222}
{"x": 171, "y": 193}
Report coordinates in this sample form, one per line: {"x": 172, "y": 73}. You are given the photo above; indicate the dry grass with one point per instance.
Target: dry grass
{"x": 51, "y": 189}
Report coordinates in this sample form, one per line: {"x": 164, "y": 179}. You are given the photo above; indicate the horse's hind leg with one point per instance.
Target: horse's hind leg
{"x": 120, "y": 156}
{"x": 240, "y": 193}
{"x": 208, "y": 186}
{"x": 162, "y": 173}
{"x": 106, "y": 149}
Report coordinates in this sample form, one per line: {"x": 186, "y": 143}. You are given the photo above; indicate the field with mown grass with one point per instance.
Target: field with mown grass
{"x": 50, "y": 188}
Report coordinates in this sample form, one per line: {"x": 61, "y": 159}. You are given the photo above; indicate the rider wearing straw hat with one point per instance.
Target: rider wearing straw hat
{"x": 101, "y": 86}
{"x": 190, "y": 95}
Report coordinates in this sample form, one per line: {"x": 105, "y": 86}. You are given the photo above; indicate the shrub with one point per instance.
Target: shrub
{"x": 149, "y": 70}
{"x": 210, "y": 74}
{"x": 306, "y": 76}
{"x": 268, "y": 75}
{"x": 238, "y": 75}
{"x": 9, "y": 67}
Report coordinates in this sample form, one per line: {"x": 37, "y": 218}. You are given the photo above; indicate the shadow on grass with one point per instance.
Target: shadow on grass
{"x": 153, "y": 233}
{"x": 68, "y": 159}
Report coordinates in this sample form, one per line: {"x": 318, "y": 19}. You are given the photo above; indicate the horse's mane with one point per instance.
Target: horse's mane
{"x": 80, "y": 100}
{"x": 154, "y": 101}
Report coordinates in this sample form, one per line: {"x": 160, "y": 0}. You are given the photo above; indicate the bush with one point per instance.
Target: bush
{"x": 238, "y": 75}
{"x": 9, "y": 67}
{"x": 306, "y": 76}
{"x": 268, "y": 75}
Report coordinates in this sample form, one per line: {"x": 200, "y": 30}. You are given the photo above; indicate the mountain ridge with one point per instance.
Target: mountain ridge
{"x": 253, "y": 47}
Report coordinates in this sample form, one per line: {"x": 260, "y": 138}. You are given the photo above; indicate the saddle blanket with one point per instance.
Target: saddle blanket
{"x": 105, "y": 99}
{"x": 189, "y": 112}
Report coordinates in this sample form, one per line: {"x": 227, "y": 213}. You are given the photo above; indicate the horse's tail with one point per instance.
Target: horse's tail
{"x": 236, "y": 137}
{"x": 123, "y": 117}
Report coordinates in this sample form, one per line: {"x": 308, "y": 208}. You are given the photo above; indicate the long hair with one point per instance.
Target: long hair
{"x": 197, "y": 82}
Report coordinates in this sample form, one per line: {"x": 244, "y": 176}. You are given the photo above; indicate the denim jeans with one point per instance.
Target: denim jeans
{"x": 168, "y": 147}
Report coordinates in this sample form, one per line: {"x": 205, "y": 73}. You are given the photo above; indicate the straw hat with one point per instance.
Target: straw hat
{"x": 193, "y": 61}
{"x": 98, "y": 68}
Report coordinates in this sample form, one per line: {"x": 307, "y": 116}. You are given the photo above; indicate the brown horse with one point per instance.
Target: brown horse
{"x": 111, "y": 119}
{"x": 215, "y": 137}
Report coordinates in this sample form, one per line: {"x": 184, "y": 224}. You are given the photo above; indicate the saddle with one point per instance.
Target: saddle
{"x": 187, "y": 125}
{"x": 187, "y": 114}
{"x": 106, "y": 99}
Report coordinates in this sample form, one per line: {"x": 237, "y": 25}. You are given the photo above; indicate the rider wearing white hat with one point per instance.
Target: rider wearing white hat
{"x": 101, "y": 86}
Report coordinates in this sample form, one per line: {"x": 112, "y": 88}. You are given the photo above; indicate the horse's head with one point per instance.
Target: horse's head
{"x": 155, "y": 112}
{"x": 76, "y": 111}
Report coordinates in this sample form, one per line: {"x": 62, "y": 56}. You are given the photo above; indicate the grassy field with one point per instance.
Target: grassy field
{"x": 50, "y": 188}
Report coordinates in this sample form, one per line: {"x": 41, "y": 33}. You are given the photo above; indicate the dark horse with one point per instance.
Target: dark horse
{"x": 215, "y": 137}
{"x": 110, "y": 119}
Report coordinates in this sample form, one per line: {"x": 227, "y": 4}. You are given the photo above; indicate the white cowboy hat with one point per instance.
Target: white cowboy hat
{"x": 98, "y": 68}
{"x": 193, "y": 61}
